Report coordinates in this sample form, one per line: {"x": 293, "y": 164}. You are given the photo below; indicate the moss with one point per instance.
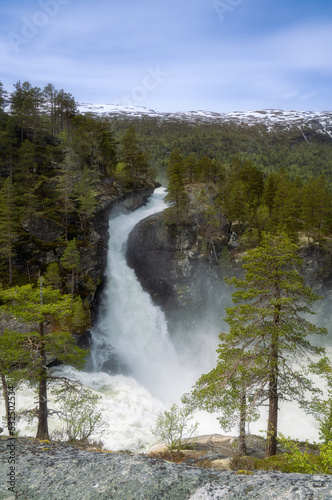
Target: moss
{"x": 280, "y": 463}
{"x": 175, "y": 456}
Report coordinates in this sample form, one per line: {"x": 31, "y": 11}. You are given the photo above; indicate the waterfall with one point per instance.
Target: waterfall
{"x": 131, "y": 335}
{"x": 136, "y": 369}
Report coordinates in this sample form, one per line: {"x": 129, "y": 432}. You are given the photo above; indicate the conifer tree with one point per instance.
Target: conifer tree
{"x": 190, "y": 166}
{"x": 65, "y": 185}
{"x": 71, "y": 262}
{"x": 269, "y": 192}
{"x": 176, "y": 192}
{"x": 86, "y": 199}
{"x": 3, "y": 95}
{"x": 133, "y": 157}
{"x": 53, "y": 313}
{"x": 8, "y": 224}
{"x": 52, "y": 276}
{"x": 316, "y": 207}
{"x": 322, "y": 408}
{"x": 268, "y": 334}
{"x": 50, "y": 94}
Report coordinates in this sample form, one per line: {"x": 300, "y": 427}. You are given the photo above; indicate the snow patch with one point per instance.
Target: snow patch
{"x": 320, "y": 121}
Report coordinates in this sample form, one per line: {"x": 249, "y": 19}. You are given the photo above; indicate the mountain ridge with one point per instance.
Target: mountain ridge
{"x": 320, "y": 121}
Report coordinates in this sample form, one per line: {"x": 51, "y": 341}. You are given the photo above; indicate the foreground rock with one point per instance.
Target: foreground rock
{"x": 45, "y": 471}
{"x": 223, "y": 446}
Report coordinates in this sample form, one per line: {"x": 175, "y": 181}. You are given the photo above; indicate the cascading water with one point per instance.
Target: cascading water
{"x": 132, "y": 335}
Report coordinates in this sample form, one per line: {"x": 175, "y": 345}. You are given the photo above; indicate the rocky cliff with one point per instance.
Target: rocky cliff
{"x": 179, "y": 268}
{"x": 183, "y": 270}
{"x": 41, "y": 240}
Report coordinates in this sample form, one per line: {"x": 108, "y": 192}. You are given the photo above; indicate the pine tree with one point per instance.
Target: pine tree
{"x": 190, "y": 166}
{"x": 50, "y": 94}
{"x": 27, "y": 354}
{"x": 8, "y": 224}
{"x": 236, "y": 206}
{"x": 133, "y": 157}
{"x": 176, "y": 192}
{"x": 268, "y": 334}
{"x": 3, "y": 95}
{"x": 86, "y": 199}
{"x": 316, "y": 207}
{"x": 52, "y": 276}
{"x": 269, "y": 192}
{"x": 65, "y": 188}
{"x": 322, "y": 408}
{"x": 71, "y": 262}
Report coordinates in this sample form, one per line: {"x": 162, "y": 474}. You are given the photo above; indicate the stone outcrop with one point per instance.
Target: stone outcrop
{"x": 42, "y": 242}
{"x": 46, "y": 471}
{"x": 176, "y": 266}
{"x": 42, "y": 228}
{"x": 183, "y": 272}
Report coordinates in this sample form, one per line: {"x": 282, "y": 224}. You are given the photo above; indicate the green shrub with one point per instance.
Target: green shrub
{"x": 172, "y": 426}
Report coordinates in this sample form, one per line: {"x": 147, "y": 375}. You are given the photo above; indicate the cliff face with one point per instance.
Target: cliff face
{"x": 184, "y": 272}
{"x": 180, "y": 270}
{"x": 42, "y": 241}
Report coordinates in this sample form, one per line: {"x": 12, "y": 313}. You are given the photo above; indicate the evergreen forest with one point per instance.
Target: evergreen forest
{"x": 59, "y": 164}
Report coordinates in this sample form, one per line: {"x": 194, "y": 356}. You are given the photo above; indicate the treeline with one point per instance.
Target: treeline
{"x": 302, "y": 153}
{"x": 56, "y": 163}
{"x": 251, "y": 200}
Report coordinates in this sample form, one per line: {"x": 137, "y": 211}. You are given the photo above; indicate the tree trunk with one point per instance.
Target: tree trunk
{"x": 5, "y": 395}
{"x": 242, "y": 434}
{"x": 272, "y": 423}
{"x": 72, "y": 285}
{"x": 42, "y": 431}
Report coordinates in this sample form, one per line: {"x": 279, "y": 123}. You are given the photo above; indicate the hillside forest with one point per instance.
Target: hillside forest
{"x": 58, "y": 163}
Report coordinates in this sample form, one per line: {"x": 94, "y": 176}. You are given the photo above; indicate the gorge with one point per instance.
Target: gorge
{"x": 149, "y": 348}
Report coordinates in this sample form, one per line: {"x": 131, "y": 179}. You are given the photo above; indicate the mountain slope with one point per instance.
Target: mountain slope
{"x": 320, "y": 121}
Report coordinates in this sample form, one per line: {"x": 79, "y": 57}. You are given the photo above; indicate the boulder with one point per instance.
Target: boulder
{"x": 42, "y": 228}
{"x": 223, "y": 446}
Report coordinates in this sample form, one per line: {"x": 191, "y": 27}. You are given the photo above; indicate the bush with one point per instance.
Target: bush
{"x": 173, "y": 425}
{"x": 80, "y": 413}
{"x": 296, "y": 457}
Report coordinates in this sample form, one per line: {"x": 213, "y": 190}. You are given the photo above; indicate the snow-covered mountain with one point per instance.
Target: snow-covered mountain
{"x": 320, "y": 121}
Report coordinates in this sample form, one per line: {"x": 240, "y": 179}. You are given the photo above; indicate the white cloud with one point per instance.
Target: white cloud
{"x": 102, "y": 50}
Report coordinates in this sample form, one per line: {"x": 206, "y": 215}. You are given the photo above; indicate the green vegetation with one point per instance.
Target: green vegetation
{"x": 54, "y": 166}
{"x": 50, "y": 318}
{"x": 271, "y": 188}
{"x": 293, "y": 457}
{"x": 322, "y": 408}
{"x": 173, "y": 427}
{"x": 79, "y": 410}
{"x": 251, "y": 201}
{"x": 268, "y": 334}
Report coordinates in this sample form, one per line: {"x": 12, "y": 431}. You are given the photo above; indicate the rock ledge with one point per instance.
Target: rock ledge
{"x": 48, "y": 471}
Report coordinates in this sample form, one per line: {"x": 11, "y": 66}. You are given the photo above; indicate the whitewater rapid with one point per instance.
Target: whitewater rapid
{"x": 136, "y": 368}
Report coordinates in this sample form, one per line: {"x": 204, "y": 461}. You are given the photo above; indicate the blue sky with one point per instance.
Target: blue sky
{"x": 173, "y": 55}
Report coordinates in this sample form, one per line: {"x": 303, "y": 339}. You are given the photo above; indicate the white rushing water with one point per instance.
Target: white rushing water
{"x": 137, "y": 370}
{"x": 128, "y": 321}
